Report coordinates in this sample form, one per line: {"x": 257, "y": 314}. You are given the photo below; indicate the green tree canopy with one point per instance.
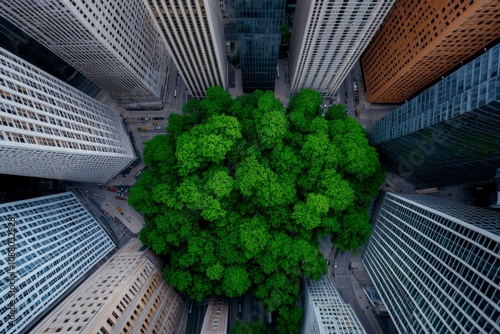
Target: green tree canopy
{"x": 253, "y": 327}
{"x": 239, "y": 190}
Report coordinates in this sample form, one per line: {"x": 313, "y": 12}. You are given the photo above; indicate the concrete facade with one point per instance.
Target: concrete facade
{"x": 49, "y": 129}
{"x": 126, "y": 295}
{"x": 115, "y": 45}
{"x": 193, "y": 32}
{"x": 216, "y": 317}
{"x": 326, "y": 312}
{"x": 328, "y": 38}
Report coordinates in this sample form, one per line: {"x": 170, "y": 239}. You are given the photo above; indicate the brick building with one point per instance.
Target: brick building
{"x": 422, "y": 40}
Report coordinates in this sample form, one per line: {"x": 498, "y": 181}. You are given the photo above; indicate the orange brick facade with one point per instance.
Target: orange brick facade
{"x": 422, "y": 40}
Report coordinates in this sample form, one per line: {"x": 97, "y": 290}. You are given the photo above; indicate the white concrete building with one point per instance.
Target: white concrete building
{"x": 115, "y": 44}
{"x": 326, "y": 312}
{"x": 216, "y": 317}
{"x": 328, "y": 37}
{"x": 436, "y": 264}
{"x": 127, "y": 294}
{"x": 194, "y": 34}
{"x": 49, "y": 129}
{"x": 57, "y": 242}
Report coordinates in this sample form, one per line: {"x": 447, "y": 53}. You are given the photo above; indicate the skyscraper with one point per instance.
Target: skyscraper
{"x": 195, "y": 37}
{"x": 216, "y": 316}
{"x": 328, "y": 38}
{"x": 259, "y": 24}
{"x": 421, "y": 40}
{"x": 116, "y": 45}
{"x": 126, "y": 295}
{"x": 49, "y": 129}
{"x": 447, "y": 135}
{"x": 436, "y": 264}
{"x": 326, "y": 312}
{"x": 57, "y": 242}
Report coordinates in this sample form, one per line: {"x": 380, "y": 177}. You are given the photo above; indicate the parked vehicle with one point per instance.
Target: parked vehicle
{"x": 142, "y": 129}
{"x": 119, "y": 210}
{"x": 158, "y": 118}
{"x": 158, "y": 128}
{"x": 112, "y": 189}
{"x": 140, "y": 172}
{"x": 121, "y": 199}
{"x": 145, "y": 118}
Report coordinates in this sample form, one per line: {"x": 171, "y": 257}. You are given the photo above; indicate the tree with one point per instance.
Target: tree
{"x": 239, "y": 191}
{"x": 253, "y": 327}
{"x": 337, "y": 111}
{"x": 236, "y": 57}
{"x": 285, "y": 34}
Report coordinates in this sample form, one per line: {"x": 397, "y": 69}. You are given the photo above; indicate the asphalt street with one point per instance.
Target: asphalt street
{"x": 196, "y": 316}
{"x": 350, "y": 290}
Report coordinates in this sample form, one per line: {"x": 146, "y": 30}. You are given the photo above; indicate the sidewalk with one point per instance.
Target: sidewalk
{"x": 359, "y": 280}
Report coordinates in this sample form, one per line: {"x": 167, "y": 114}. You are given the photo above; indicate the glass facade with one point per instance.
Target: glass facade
{"x": 435, "y": 264}
{"x": 259, "y": 24}
{"x": 449, "y": 134}
{"x": 57, "y": 242}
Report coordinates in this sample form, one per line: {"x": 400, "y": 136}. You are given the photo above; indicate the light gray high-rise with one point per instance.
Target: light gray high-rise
{"x": 195, "y": 38}
{"x": 115, "y": 44}
{"x": 326, "y": 312}
{"x": 328, "y": 37}
{"x": 49, "y": 129}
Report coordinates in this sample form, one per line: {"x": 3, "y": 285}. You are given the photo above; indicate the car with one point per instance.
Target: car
{"x": 102, "y": 187}
{"x": 140, "y": 172}
{"x": 142, "y": 129}
{"x": 119, "y": 209}
{"x": 158, "y": 118}
{"x": 121, "y": 199}
{"x": 145, "y": 118}
{"x": 158, "y": 127}
{"x": 335, "y": 265}
{"x": 155, "y": 123}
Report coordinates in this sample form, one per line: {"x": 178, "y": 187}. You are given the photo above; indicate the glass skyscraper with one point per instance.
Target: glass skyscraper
{"x": 259, "y": 24}
{"x": 449, "y": 134}
{"x": 436, "y": 264}
{"x": 57, "y": 242}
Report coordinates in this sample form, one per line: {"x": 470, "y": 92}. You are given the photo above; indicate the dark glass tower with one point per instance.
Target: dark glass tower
{"x": 436, "y": 264}
{"x": 259, "y": 24}
{"x": 449, "y": 134}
